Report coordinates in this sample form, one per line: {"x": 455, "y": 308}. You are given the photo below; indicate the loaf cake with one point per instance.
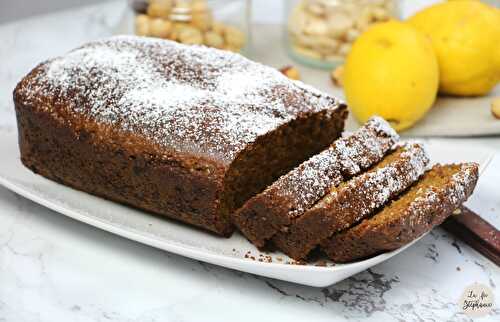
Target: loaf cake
{"x": 353, "y": 200}
{"x": 286, "y": 199}
{"x": 441, "y": 190}
{"x": 181, "y": 131}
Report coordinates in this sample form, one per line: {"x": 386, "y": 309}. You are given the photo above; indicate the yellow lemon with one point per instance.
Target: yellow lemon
{"x": 391, "y": 71}
{"x": 466, "y": 38}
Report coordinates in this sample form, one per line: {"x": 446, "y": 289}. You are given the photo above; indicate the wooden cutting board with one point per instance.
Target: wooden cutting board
{"x": 449, "y": 117}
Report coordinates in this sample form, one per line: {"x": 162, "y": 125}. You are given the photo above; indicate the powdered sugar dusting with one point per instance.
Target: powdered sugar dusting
{"x": 310, "y": 181}
{"x": 189, "y": 98}
{"x": 366, "y": 146}
{"x": 367, "y": 192}
{"x": 432, "y": 197}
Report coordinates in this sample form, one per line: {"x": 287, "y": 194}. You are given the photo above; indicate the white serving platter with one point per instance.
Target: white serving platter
{"x": 184, "y": 240}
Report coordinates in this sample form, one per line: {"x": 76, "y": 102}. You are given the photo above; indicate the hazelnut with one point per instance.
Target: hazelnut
{"x": 199, "y": 5}
{"x": 160, "y": 28}
{"x": 218, "y": 28}
{"x": 495, "y": 108}
{"x": 159, "y": 9}
{"x": 231, "y": 48}
{"x": 142, "y": 25}
{"x": 290, "y": 72}
{"x": 234, "y": 37}
{"x": 336, "y": 75}
{"x": 213, "y": 39}
{"x": 190, "y": 35}
{"x": 202, "y": 20}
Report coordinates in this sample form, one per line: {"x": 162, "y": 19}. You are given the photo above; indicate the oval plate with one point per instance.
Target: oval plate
{"x": 235, "y": 252}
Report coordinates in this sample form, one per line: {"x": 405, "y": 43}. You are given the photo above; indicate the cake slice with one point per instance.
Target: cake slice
{"x": 286, "y": 199}
{"x": 353, "y": 200}
{"x": 440, "y": 191}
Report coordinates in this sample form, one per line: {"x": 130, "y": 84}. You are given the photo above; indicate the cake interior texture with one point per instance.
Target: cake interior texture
{"x": 186, "y": 132}
{"x": 277, "y": 153}
{"x": 423, "y": 206}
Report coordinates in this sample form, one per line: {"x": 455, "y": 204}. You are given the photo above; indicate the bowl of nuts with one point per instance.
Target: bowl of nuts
{"x": 320, "y": 33}
{"x": 222, "y": 24}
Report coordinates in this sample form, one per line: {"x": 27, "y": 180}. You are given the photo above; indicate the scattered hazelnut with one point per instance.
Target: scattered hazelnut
{"x": 234, "y": 37}
{"x": 229, "y": 47}
{"x": 189, "y": 22}
{"x": 142, "y": 25}
{"x": 336, "y": 75}
{"x": 202, "y": 21}
{"x": 218, "y": 28}
{"x": 213, "y": 39}
{"x": 190, "y": 35}
{"x": 199, "y": 6}
{"x": 160, "y": 28}
{"x": 159, "y": 9}
{"x": 290, "y": 72}
{"x": 495, "y": 107}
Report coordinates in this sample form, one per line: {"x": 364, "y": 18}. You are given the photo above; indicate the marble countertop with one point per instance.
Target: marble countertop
{"x": 53, "y": 268}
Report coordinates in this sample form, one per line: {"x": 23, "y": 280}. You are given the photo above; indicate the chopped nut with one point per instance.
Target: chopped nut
{"x": 336, "y": 75}
{"x": 290, "y": 72}
{"x": 495, "y": 108}
{"x": 457, "y": 212}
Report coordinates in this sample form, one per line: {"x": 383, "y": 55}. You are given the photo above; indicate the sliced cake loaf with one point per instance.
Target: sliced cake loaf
{"x": 286, "y": 199}
{"x": 353, "y": 200}
{"x": 187, "y": 132}
{"x": 440, "y": 191}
